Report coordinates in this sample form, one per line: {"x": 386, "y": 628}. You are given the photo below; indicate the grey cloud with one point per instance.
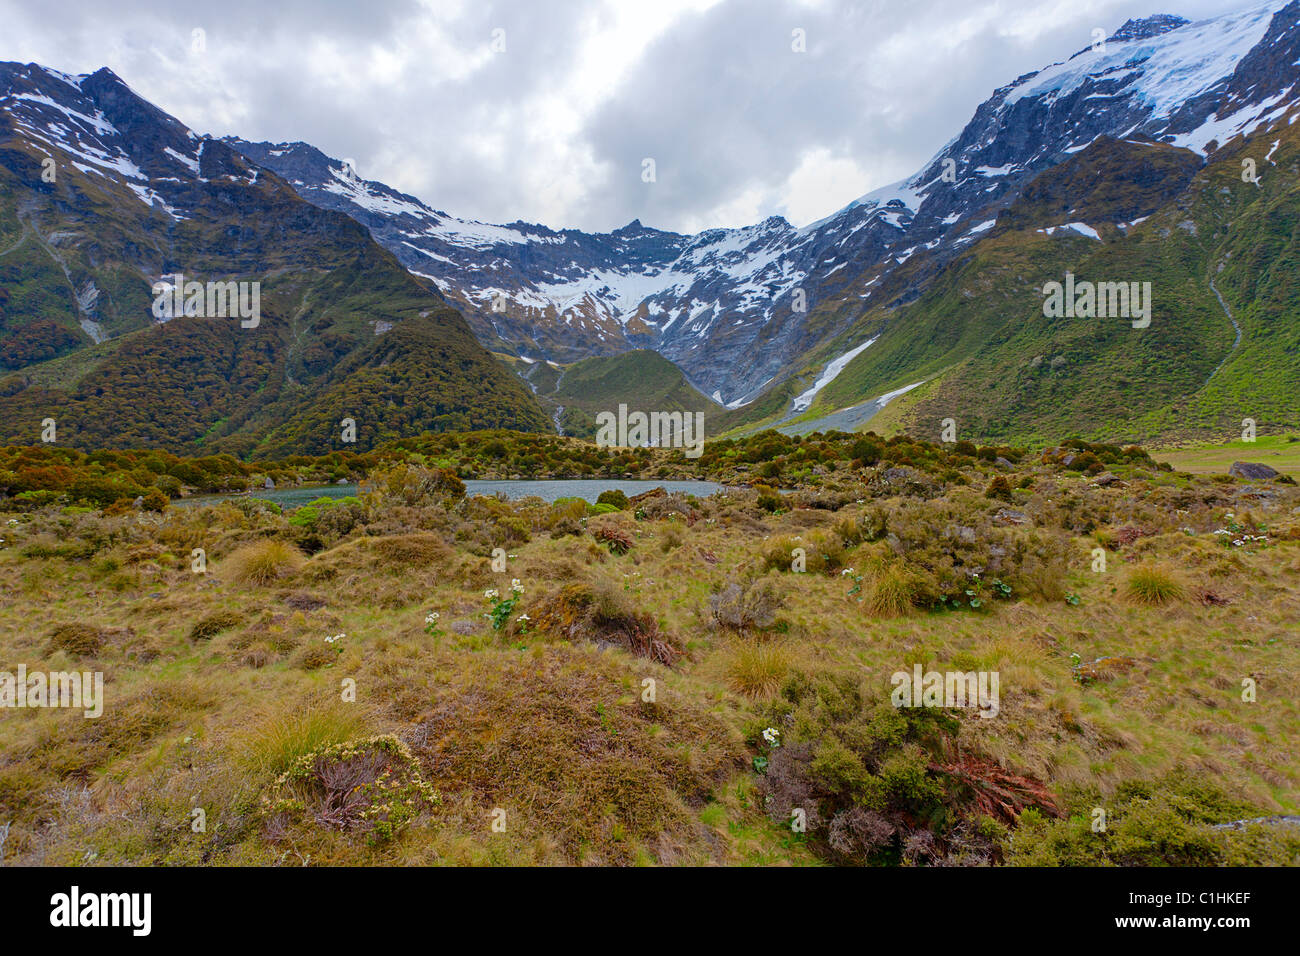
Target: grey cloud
{"x": 719, "y": 100}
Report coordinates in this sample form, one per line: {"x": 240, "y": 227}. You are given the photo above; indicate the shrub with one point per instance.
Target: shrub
{"x": 769, "y": 499}
{"x": 1170, "y": 821}
{"x": 613, "y": 497}
{"x": 370, "y": 785}
{"x": 413, "y": 484}
{"x": 999, "y": 489}
{"x": 330, "y": 518}
{"x": 263, "y": 562}
{"x": 573, "y": 509}
{"x": 881, "y": 784}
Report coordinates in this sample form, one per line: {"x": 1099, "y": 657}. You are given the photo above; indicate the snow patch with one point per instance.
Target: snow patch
{"x": 829, "y": 375}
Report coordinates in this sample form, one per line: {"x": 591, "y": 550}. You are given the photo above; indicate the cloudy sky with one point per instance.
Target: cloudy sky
{"x": 545, "y": 110}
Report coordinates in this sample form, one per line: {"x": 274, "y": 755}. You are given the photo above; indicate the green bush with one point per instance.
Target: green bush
{"x": 613, "y": 497}
{"x": 1166, "y": 822}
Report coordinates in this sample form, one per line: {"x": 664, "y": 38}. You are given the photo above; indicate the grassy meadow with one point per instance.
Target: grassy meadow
{"x": 1279, "y": 452}
{"x": 418, "y": 677}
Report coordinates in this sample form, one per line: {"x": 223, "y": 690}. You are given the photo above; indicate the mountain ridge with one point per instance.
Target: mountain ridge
{"x": 724, "y": 304}
{"x": 102, "y": 195}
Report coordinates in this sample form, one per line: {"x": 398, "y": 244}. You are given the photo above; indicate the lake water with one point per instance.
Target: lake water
{"x": 586, "y": 488}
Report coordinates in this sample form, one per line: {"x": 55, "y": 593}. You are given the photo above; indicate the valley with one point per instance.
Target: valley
{"x": 956, "y": 528}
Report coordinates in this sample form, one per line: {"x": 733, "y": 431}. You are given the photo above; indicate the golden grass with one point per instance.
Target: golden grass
{"x": 1154, "y": 585}
{"x": 558, "y": 732}
{"x": 758, "y": 668}
{"x": 275, "y": 739}
{"x": 263, "y": 562}
{"x": 890, "y": 592}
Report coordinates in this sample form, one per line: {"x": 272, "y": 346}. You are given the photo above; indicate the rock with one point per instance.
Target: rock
{"x": 1253, "y": 470}
{"x": 341, "y": 481}
{"x": 1068, "y": 460}
{"x": 903, "y": 480}
{"x": 139, "y": 501}
{"x": 1011, "y": 516}
{"x": 269, "y": 485}
{"x": 1250, "y": 491}
{"x": 1289, "y": 821}
{"x": 1106, "y": 479}
{"x": 1003, "y": 463}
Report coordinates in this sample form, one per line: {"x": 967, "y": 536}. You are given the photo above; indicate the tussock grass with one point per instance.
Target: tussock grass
{"x": 263, "y": 562}
{"x": 277, "y": 738}
{"x": 1154, "y": 585}
{"x": 890, "y": 593}
{"x": 211, "y": 625}
{"x": 411, "y": 550}
{"x": 79, "y": 640}
{"x": 757, "y": 669}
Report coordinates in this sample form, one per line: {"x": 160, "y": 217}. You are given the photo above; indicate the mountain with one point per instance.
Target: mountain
{"x": 725, "y": 304}
{"x": 102, "y": 196}
{"x": 1121, "y": 163}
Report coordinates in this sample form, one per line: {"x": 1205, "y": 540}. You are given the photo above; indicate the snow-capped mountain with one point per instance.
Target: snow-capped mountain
{"x": 111, "y": 133}
{"x": 725, "y": 304}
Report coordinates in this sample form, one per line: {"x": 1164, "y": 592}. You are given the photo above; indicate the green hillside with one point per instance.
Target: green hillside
{"x": 77, "y": 259}
{"x": 1006, "y": 373}
{"x": 641, "y": 379}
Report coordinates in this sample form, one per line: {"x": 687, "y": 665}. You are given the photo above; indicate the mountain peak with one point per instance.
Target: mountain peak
{"x": 104, "y": 75}
{"x": 1142, "y": 28}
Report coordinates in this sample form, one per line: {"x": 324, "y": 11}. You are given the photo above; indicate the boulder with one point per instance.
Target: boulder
{"x": 1253, "y": 470}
